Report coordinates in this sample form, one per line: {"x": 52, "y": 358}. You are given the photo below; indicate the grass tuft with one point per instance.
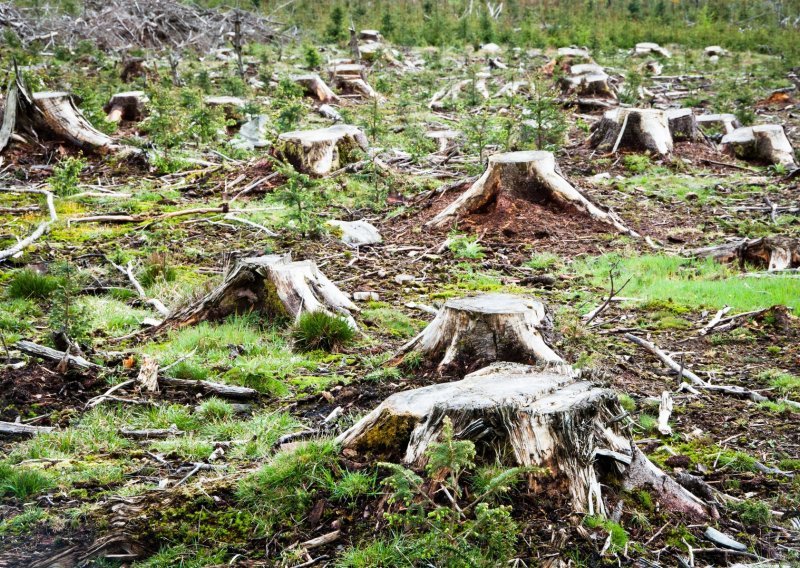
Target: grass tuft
{"x": 320, "y": 330}
{"x": 28, "y": 283}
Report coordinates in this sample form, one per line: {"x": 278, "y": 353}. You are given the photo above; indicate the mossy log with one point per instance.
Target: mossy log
{"x": 531, "y": 175}
{"x": 272, "y": 285}
{"x": 320, "y": 151}
{"x": 474, "y": 331}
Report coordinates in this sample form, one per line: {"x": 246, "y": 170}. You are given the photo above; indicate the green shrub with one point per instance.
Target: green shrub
{"x": 753, "y": 513}
{"x": 66, "y": 174}
{"x": 321, "y": 330}
{"x": 28, "y": 283}
{"x": 465, "y": 247}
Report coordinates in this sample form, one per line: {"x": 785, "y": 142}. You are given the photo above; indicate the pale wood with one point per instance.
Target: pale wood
{"x": 315, "y": 87}
{"x": 59, "y": 115}
{"x": 36, "y": 350}
{"x": 532, "y": 175}
{"x": 765, "y": 142}
{"x": 272, "y": 285}
{"x": 542, "y": 419}
{"x": 209, "y": 387}
{"x": 478, "y": 330}
{"x": 323, "y": 150}
{"x": 649, "y": 48}
{"x": 633, "y": 129}
{"x": 682, "y": 124}
{"x": 19, "y": 429}
{"x": 774, "y": 253}
{"x": 40, "y": 229}
{"x": 588, "y": 80}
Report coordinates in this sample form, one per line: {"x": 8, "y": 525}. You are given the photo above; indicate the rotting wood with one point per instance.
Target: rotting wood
{"x": 210, "y": 387}
{"x": 50, "y": 354}
{"x": 773, "y": 253}
{"x": 19, "y": 429}
{"x": 40, "y": 229}
{"x": 531, "y": 175}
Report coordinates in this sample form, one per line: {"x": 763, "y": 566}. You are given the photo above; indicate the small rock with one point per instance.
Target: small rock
{"x": 365, "y": 296}
{"x": 723, "y": 540}
{"x": 357, "y": 233}
{"x": 403, "y": 278}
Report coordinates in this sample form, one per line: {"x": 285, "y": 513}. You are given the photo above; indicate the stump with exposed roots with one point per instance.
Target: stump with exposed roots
{"x": 531, "y": 175}
{"x": 638, "y": 129}
{"x": 518, "y": 413}
{"x": 272, "y": 285}
{"x": 588, "y": 80}
{"x": 318, "y": 152}
{"x": 316, "y": 88}
{"x": 468, "y": 333}
{"x": 765, "y": 142}
{"x": 770, "y": 253}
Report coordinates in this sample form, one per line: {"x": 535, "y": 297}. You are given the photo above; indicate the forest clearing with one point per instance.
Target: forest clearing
{"x": 358, "y": 284}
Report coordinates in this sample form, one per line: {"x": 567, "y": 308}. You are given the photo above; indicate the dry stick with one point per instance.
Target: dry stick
{"x": 612, "y": 292}
{"x": 39, "y": 231}
{"x": 157, "y": 304}
{"x": 91, "y": 403}
{"x": 715, "y": 320}
{"x": 666, "y": 359}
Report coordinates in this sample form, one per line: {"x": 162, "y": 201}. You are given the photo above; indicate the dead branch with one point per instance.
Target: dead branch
{"x": 40, "y": 230}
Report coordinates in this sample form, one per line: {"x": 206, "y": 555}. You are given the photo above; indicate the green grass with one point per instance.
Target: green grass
{"x": 23, "y": 522}
{"x": 619, "y": 536}
{"x": 544, "y": 261}
{"x": 785, "y": 383}
{"x": 321, "y": 330}
{"x": 28, "y": 283}
{"x": 390, "y": 321}
{"x": 22, "y": 482}
{"x": 691, "y": 282}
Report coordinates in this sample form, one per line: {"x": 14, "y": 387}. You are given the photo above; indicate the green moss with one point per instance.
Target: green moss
{"x": 619, "y": 536}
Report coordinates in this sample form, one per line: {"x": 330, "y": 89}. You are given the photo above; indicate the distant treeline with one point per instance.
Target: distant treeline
{"x": 769, "y": 26}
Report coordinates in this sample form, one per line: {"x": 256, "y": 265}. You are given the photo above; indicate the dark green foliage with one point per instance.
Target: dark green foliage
{"x": 312, "y": 56}
{"x": 320, "y": 330}
{"x": 335, "y": 30}
{"x": 66, "y": 174}
{"x": 22, "y": 482}
{"x": 66, "y": 316}
{"x": 28, "y": 283}
{"x": 753, "y": 513}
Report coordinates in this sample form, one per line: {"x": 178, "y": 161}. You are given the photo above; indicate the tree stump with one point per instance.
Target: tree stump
{"x": 128, "y": 106}
{"x": 535, "y": 418}
{"x": 765, "y": 142}
{"x": 272, "y": 285}
{"x": 320, "y": 151}
{"x": 58, "y": 115}
{"x": 639, "y": 129}
{"x": 474, "y": 331}
{"x": 349, "y": 79}
{"x": 648, "y": 48}
{"x": 770, "y": 253}
{"x": 682, "y": 124}
{"x": 728, "y": 122}
{"x": 588, "y": 80}
{"x": 370, "y": 35}
{"x": 315, "y": 87}
{"x": 531, "y": 175}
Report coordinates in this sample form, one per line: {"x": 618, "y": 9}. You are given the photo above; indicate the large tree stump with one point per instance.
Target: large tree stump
{"x": 544, "y": 419}
{"x": 471, "y": 332}
{"x": 126, "y": 106}
{"x": 765, "y": 142}
{"x": 633, "y": 129}
{"x": 315, "y": 87}
{"x": 59, "y": 116}
{"x": 349, "y": 79}
{"x": 272, "y": 285}
{"x": 320, "y": 151}
{"x": 728, "y": 122}
{"x": 530, "y": 175}
{"x": 517, "y": 412}
{"x": 770, "y": 253}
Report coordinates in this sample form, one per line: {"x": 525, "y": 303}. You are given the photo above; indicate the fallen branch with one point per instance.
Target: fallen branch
{"x": 666, "y": 359}
{"x": 37, "y": 350}
{"x": 156, "y": 303}
{"x": 715, "y": 320}
{"x": 228, "y": 391}
{"x": 17, "y": 429}
{"x": 39, "y": 231}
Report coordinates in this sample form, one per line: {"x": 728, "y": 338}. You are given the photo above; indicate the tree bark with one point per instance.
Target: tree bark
{"x": 766, "y": 142}
{"x": 633, "y": 129}
{"x": 318, "y": 152}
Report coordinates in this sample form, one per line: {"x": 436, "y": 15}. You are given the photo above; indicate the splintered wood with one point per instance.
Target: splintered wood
{"x": 318, "y": 152}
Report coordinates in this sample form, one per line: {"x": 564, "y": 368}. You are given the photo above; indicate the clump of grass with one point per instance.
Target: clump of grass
{"x": 544, "y": 261}
{"x": 753, "y": 513}
{"x": 627, "y": 402}
{"x": 28, "y": 283}
{"x": 320, "y": 330}
{"x": 353, "y": 485}
{"x": 22, "y": 482}
{"x": 390, "y": 321}
{"x": 785, "y": 383}
{"x": 215, "y": 409}
{"x": 23, "y": 522}
{"x": 648, "y": 423}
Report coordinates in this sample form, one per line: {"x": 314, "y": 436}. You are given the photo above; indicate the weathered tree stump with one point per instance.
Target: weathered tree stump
{"x": 682, "y": 124}
{"x": 770, "y": 253}
{"x": 126, "y": 106}
{"x": 474, "y": 331}
{"x": 531, "y": 175}
{"x": 272, "y": 285}
{"x": 315, "y": 87}
{"x": 320, "y": 151}
{"x": 349, "y": 79}
{"x": 588, "y": 80}
{"x": 370, "y": 35}
{"x": 728, "y": 122}
{"x": 639, "y": 129}
{"x": 648, "y": 48}
{"x": 58, "y": 115}
{"x": 765, "y": 142}
{"x": 715, "y": 51}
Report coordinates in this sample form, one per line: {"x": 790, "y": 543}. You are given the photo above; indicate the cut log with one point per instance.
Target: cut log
{"x": 272, "y": 285}
{"x": 18, "y": 429}
{"x": 728, "y": 122}
{"x": 356, "y": 233}
{"x": 682, "y": 124}
{"x": 633, "y": 129}
{"x": 315, "y": 87}
{"x": 468, "y": 333}
{"x": 320, "y": 151}
{"x": 770, "y": 253}
{"x": 766, "y": 142}
{"x": 541, "y": 419}
{"x": 648, "y": 48}
{"x": 530, "y": 175}
{"x": 128, "y": 106}
{"x": 49, "y": 354}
